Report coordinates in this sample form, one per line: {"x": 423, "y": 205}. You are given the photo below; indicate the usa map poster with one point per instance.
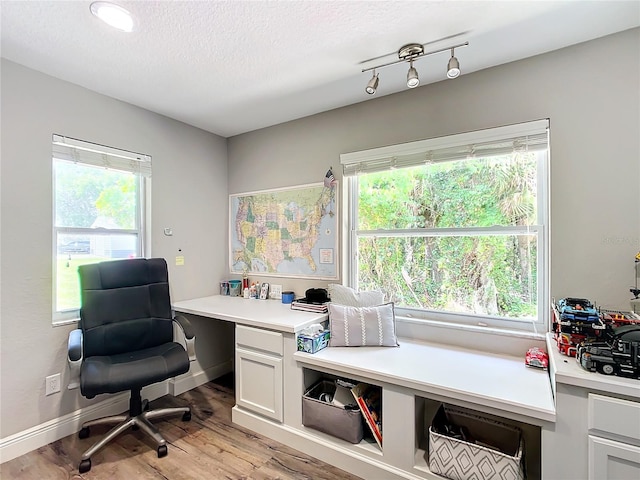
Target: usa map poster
{"x": 290, "y": 232}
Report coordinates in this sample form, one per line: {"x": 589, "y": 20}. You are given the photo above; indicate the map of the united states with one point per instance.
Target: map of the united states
{"x": 289, "y": 232}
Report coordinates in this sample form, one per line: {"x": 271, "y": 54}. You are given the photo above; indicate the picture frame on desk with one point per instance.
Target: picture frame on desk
{"x": 264, "y": 291}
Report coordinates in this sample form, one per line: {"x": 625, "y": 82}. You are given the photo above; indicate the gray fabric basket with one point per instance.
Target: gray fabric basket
{"x": 328, "y": 418}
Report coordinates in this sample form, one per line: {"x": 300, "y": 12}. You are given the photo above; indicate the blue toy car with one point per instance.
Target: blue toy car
{"x": 577, "y": 310}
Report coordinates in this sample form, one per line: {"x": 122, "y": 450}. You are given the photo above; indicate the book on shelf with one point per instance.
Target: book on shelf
{"x": 369, "y": 399}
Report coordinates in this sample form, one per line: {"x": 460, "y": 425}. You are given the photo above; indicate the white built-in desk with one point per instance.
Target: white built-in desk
{"x": 271, "y": 377}
{"x": 577, "y": 425}
{"x": 269, "y": 314}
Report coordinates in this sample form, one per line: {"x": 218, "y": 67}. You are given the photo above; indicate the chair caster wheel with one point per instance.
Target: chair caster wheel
{"x": 162, "y": 451}
{"x": 84, "y": 433}
{"x": 186, "y": 416}
{"x": 85, "y": 466}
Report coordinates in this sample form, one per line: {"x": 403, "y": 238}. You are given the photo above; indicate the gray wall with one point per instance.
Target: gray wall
{"x": 189, "y": 185}
{"x": 590, "y": 92}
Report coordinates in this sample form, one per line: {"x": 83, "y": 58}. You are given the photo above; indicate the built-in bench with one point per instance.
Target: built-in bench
{"x": 416, "y": 378}
{"x": 494, "y": 382}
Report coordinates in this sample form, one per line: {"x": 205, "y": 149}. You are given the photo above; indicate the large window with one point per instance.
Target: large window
{"x": 99, "y": 212}
{"x": 454, "y": 228}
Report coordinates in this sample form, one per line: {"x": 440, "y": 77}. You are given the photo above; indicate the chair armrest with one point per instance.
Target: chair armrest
{"x": 189, "y": 335}
{"x": 74, "y": 358}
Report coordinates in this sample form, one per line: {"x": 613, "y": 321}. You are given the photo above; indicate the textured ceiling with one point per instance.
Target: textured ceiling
{"x": 230, "y": 67}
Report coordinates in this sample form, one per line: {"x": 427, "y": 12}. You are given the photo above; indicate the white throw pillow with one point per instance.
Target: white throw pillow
{"x": 348, "y": 296}
{"x": 362, "y": 326}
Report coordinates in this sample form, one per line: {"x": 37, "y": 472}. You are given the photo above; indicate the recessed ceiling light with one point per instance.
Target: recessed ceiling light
{"x": 113, "y": 15}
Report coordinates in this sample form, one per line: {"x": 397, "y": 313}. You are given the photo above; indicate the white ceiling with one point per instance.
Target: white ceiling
{"x": 230, "y": 67}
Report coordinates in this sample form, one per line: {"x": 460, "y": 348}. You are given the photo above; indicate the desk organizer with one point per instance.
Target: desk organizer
{"x": 458, "y": 459}
{"x": 329, "y": 418}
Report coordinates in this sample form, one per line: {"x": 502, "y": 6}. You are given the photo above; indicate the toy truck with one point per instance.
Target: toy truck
{"x": 617, "y": 353}
{"x": 617, "y": 318}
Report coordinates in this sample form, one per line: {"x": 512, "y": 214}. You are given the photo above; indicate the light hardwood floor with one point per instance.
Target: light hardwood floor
{"x": 208, "y": 447}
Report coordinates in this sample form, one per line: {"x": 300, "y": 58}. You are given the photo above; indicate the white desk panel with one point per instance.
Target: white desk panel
{"x": 269, "y": 314}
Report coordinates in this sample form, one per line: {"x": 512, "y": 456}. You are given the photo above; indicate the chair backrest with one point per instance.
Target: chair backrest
{"x": 125, "y": 306}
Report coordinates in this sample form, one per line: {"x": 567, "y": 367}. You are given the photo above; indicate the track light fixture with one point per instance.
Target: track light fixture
{"x": 410, "y": 53}
{"x": 372, "y": 86}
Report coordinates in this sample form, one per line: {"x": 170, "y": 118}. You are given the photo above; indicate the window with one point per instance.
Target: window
{"x": 454, "y": 228}
{"x": 98, "y": 214}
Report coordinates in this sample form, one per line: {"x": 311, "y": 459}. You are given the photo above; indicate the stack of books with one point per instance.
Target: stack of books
{"x": 306, "y": 306}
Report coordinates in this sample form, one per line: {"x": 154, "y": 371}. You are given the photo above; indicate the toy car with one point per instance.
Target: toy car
{"x": 578, "y": 311}
{"x": 567, "y": 343}
{"x": 575, "y": 320}
{"x": 536, "y": 357}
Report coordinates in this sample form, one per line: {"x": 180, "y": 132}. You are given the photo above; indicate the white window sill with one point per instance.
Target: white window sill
{"x": 64, "y": 322}
{"x": 474, "y": 337}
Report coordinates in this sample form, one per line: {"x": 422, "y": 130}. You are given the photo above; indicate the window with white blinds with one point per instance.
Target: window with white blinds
{"x": 454, "y": 228}
{"x": 100, "y": 212}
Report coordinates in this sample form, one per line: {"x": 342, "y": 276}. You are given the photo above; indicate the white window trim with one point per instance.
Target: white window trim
{"x": 414, "y": 153}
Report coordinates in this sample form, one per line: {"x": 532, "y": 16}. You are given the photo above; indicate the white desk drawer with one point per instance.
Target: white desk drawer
{"x": 614, "y": 416}
{"x": 259, "y": 339}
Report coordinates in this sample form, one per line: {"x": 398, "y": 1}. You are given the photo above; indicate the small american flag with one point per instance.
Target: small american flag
{"x": 329, "y": 179}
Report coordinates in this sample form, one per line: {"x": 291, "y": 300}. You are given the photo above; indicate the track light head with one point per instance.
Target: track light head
{"x": 453, "y": 68}
{"x": 372, "y": 86}
{"x": 412, "y": 77}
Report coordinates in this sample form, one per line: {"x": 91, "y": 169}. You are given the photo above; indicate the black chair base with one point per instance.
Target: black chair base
{"x": 138, "y": 418}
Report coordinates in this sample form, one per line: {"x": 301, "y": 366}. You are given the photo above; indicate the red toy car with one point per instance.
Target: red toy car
{"x": 536, "y": 357}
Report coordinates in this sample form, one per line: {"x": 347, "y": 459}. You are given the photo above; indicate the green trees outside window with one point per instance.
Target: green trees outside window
{"x": 458, "y": 236}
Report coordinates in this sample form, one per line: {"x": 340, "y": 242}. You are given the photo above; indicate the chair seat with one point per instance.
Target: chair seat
{"x": 115, "y": 373}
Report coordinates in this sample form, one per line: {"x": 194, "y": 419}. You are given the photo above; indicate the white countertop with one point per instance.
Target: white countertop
{"x": 569, "y": 372}
{"x": 269, "y": 314}
{"x": 496, "y": 381}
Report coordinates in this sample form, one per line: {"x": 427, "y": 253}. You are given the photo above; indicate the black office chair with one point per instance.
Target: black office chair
{"x": 125, "y": 342}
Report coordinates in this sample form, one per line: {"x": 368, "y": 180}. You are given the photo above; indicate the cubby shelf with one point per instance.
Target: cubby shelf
{"x": 412, "y": 396}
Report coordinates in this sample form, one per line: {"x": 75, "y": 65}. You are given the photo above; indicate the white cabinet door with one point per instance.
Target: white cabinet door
{"x": 609, "y": 460}
{"x": 259, "y": 383}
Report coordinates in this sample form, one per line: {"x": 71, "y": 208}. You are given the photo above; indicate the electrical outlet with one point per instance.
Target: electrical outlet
{"x": 52, "y": 383}
{"x": 275, "y": 291}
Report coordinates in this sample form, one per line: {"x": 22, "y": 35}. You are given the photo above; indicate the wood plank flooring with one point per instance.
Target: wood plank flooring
{"x": 208, "y": 447}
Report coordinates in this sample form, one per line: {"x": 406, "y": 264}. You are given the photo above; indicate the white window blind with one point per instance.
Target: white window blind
{"x": 70, "y": 149}
{"x": 529, "y": 136}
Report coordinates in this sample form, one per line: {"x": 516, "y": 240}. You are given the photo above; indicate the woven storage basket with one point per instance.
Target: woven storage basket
{"x": 458, "y": 459}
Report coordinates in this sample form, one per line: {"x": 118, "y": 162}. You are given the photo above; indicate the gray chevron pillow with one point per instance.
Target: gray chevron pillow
{"x": 362, "y": 326}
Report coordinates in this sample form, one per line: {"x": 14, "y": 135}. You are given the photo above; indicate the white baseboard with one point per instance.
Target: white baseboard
{"x": 45, "y": 433}
{"x": 188, "y": 382}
